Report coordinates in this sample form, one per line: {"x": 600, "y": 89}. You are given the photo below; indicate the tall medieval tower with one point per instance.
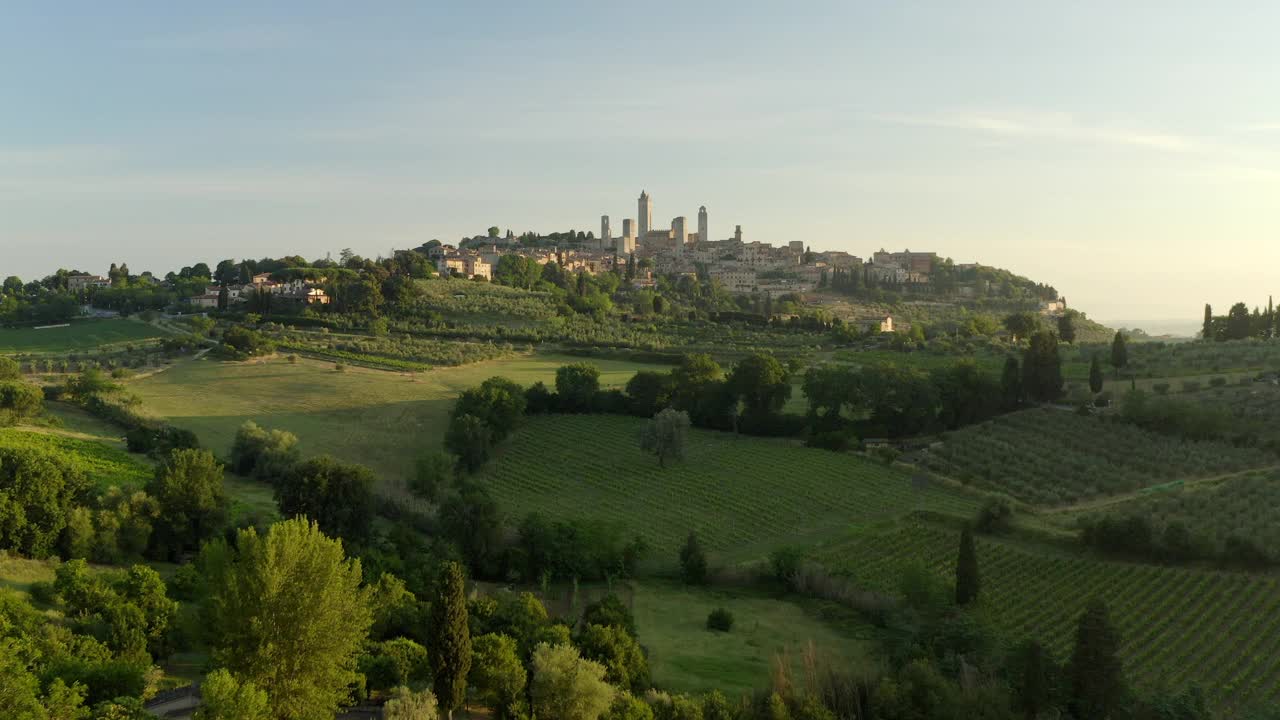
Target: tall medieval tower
{"x": 645, "y": 216}
{"x": 606, "y": 235}
{"x": 703, "y": 234}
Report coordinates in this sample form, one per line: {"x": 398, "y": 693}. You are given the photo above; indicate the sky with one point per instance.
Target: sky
{"x": 1126, "y": 153}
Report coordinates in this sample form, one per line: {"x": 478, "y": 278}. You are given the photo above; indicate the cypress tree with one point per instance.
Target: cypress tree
{"x": 1119, "y": 353}
{"x": 451, "y": 639}
{"x": 1011, "y": 384}
{"x": 693, "y": 562}
{"x": 967, "y": 582}
{"x": 1097, "y": 685}
{"x": 1095, "y": 375}
{"x": 1207, "y": 332}
{"x": 1031, "y": 686}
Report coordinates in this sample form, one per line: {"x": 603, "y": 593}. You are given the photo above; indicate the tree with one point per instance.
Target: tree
{"x": 577, "y": 385}
{"x": 10, "y": 369}
{"x": 498, "y": 402}
{"x": 405, "y": 704}
{"x": 38, "y": 491}
{"x": 616, "y": 649}
{"x": 494, "y": 231}
{"x": 497, "y": 674}
{"x": 1042, "y": 368}
{"x": 1207, "y": 331}
{"x": 1095, "y": 375}
{"x": 649, "y": 392}
{"x": 450, "y": 650}
{"x": 1238, "y": 325}
{"x": 287, "y": 612}
{"x": 263, "y": 454}
{"x": 567, "y": 687}
{"x": 967, "y": 581}
{"x": 1032, "y": 681}
{"x": 664, "y": 435}
{"x": 1095, "y": 673}
{"x": 1022, "y": 324}
{"x": 337, "y": 495}
{"x": 470, "y": 439}
{"x": 761, "y": 381}
{"x": 693, "y": 562}
{"x": 193, "y": 506}
{"x": 690, "y": 379}
{"x": 1119, "y": 353}
{"x": 224, "y": 297}
{"x": 1067, "y": 327}
{"x": 432, "y": 472}
{"x": 1011, "y": 384}
{"x": 222, "y": 697}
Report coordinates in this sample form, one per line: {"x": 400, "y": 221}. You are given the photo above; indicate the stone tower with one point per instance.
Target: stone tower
{"x": 680, "y": 231}
{"x": 606, "y": 235}
{"x": 703, "y": 234}
{"x": 628, "y": 242}
{"x": 737, "y": 233}
{"x": 646, "y": 213}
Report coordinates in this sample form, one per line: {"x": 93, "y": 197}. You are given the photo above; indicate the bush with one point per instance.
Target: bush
{"x": 994, "y": 517}
{"x": 720, "y": 620}
{"x": 339, "y": 367}
{"x": 1217, "y": 382}
{"x": 1161, "y": 388}
{"x": 42, "y": 591}
{"x": 1190, "y": 385}
{"x": 1103, "y": 399}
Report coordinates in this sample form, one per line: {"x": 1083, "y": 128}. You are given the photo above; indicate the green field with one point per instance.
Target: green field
{"x": 744, "y": 496}
{"x": 104, "y": 464}
{"x": 686, "y": 657}
{"x": 1218, "y": 629}
{"x": 80, "y": 335}
{"x": 1051, "y": 457}
{"x": 373, "y": 417}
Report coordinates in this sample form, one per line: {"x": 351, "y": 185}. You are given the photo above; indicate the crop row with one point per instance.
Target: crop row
{"x": 1178, "y": 625}
{"x": 1051, "y": 457}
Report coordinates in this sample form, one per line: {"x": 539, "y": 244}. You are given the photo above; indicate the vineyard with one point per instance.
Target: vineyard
{"x": 1050, "y": 457}
{"x": 1246, "y": 506}
{"x": 105, "y": 465}
{"x": 1177, "y": 625}
{"x": 77, "y": 337}
{"x": 743, "y": 496}
{"x": 1160, "y": 359}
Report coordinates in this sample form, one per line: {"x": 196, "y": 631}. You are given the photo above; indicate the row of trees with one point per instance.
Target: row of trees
{"x": 1239, "y": 323}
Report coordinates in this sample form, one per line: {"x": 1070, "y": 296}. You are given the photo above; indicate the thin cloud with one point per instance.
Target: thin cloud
{"x": 1051, "y": 126}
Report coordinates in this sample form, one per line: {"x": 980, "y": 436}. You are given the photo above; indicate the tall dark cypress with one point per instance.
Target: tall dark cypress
{"x": 450, "y": 653}
{"x": 1097, "y": 682}
{"x": 1095, "y": 375}
{"x": 967, "y": 581}
{"x": 1011, "y": 384}
{"x": 1032, "y": 683}
{"x": 1207, "y": 332}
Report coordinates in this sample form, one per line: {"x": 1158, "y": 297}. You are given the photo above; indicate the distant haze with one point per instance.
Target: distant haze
{"x": 1126, "y": 153}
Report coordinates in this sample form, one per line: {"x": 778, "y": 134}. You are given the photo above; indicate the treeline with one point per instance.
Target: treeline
{"x": 1135, "y": 537}
{"x": 1239, "y": 323}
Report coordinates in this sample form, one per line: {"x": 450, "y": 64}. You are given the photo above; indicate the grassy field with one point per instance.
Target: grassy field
{"x": 374, "y": 417}
{"x": 104, "y": 464}
{"x": 80, "y": 335}
{"x": 744, "y": 496}
{"x": 686, "y": 657}
{"x": 1051, "y": 457}
{"x": 1218, "y": 629}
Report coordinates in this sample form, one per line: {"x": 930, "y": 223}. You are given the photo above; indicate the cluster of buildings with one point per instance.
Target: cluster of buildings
{"x": 307, "y": 292}
{"x": 740, "y": 266}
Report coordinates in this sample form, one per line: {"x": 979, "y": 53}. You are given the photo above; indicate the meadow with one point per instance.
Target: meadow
{"x": 744, "y": 496}
{"x": 1052, "y": 457}
{"x": 78, "y": 336}
{"x": 104, "y": 464}
{"x": 377, "y": 418}
{"x": 1177, "y": 625}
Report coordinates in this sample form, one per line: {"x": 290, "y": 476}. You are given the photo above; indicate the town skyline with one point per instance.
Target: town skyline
{"x": 1071, "y": 145}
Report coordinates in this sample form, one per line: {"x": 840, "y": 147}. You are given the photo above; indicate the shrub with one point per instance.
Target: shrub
{"x": 42, "y": 591}
{"x": 1103, "y": 399}
{"x": 1190, "y": 385}
{"x": 720, "y": 620}
{"x": 1217, "y": 382}
{"x": 293, "y": 359}
{"x": 339, "y": 367}
{"x": 1161, "y": 388}
{"x": 994, "y": 517}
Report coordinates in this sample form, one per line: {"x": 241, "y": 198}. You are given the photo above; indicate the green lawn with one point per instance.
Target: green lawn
{"x": 374, "y": 417}
{"x": 686, "y": 657}
{"x": 80, "y": 335}
{"x": 744, "y": 496}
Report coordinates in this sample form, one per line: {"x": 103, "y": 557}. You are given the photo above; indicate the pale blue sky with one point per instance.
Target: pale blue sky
{"x": 1130, "y": 156}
